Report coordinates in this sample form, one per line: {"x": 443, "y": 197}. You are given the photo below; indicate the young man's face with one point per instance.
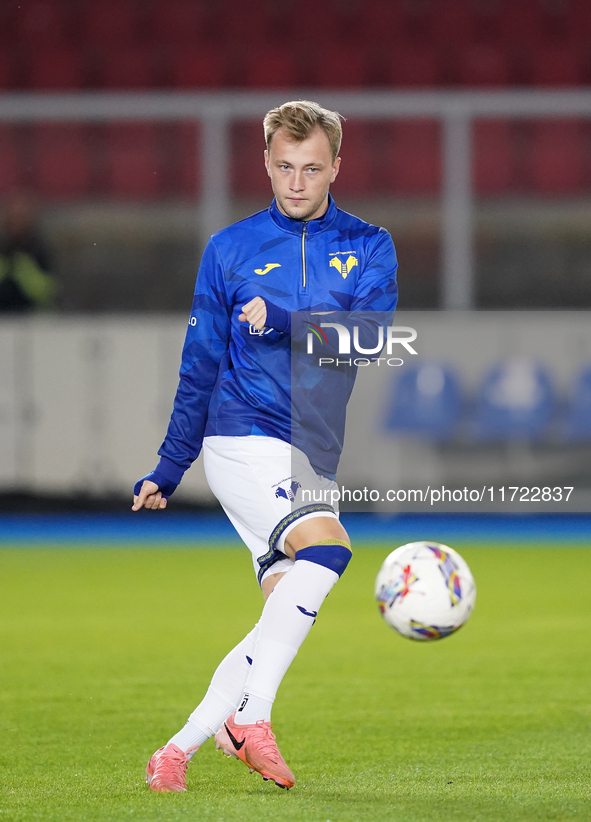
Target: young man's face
{"x": 301, "y": 173}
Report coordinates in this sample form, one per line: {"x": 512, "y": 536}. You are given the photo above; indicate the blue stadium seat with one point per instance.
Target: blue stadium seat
{"x": 426, "y": 403}
{"x": 577, "y": 426}
{"x": 516, "y": 402}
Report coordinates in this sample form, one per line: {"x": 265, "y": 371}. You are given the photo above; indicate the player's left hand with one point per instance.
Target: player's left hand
{"x": 254, "y": 313}
{"x": 149, "y": 497}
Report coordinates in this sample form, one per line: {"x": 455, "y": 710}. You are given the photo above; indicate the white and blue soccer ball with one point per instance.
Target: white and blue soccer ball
{"x": 425, "y": 590}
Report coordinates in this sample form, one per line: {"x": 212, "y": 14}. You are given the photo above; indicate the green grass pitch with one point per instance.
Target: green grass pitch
{"x": 105, "y": 651}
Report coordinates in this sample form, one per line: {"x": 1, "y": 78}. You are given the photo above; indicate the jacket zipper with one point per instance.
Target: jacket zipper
{"x": 304, "y": 256}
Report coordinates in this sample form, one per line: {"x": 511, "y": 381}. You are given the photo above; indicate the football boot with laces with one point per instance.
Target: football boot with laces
{"x": 255, "y": 745}
{"x": 167, "y": 769}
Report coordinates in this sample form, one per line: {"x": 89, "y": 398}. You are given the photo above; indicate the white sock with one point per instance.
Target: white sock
{"x": 189, "y": 738}
{"x": 288, "y": 615}
{"x": 257, "y": 706}
{"x": 222, "y": 698}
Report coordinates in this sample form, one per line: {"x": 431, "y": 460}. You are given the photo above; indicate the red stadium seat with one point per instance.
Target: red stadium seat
{"x": 557, "y": 156}
{"x": 520, "y": 23}
{"x": 249, "y": 177}
{"x": 178, "y": 23}
{"x": 417, "y": 23}
{"x": 7, "y": 12}
{"x": 133, "y": 163}
{"x": 186, "y": 161}
{"x": 248, "y": 23}
{"x": 355, "y": 177}
{"x": 339, "y": 65}
{"x": 319, "y": 23}
{"x": 383, "y": 22}
{"x": 203, "y": 67}
{"x": 56, "y": 69}
{"x": 12, "y": 174}
{"x": 494, "y": 161}
{"x": 128, "y": 68}
{"x": 412, "y": 66}
{"x": 555, "y": 65}
{"x": 6, "y": 70}
{"x": 109, "y": 22}
{"x": 412, "y": 158}
{"x": 272, "y": 67}
{"x": 578, "y": 22}
{"x": 452, "y": 22}
{"x": 483, "y": 65}
{"x": 42, "y": 23}
{"x": 60, "y": 161}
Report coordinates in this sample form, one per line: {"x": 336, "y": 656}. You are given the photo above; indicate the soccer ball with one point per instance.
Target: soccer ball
{"x": 425, "y": 590}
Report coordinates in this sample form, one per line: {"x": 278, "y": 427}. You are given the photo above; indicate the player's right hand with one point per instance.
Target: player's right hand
{"x": 254, "y": 313}
{"x": 149, "y": 497}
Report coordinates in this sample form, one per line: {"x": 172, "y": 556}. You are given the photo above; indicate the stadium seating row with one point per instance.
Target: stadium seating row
{"x": 143, "y": 161}
{"x": 336, "y": 65}
{"x": 516, "y": 401}
{"x": 189, "y": 20}
{"x": 63, "y": 44}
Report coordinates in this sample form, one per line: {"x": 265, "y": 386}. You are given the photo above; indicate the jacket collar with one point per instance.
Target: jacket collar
{"x": 297, "y": 226}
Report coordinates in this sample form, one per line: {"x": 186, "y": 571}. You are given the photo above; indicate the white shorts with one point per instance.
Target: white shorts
{"x": 256, "y": 479}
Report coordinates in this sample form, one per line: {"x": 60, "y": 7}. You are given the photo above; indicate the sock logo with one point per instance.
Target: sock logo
{"x": 233, "y": 739}
{"x": 244, "y": 700}
{"x": 312, "y": 614}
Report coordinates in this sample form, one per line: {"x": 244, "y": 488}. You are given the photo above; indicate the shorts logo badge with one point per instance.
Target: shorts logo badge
{"x": 346, "y": 267}
{"x": 266, "y": 269}
{"x": 290, "y": 492}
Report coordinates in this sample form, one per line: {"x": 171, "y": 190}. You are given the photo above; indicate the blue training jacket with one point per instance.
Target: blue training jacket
{"x": 234, "y": 380}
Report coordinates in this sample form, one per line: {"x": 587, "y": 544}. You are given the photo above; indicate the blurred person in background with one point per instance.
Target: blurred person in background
{"x": 26, "y": 279}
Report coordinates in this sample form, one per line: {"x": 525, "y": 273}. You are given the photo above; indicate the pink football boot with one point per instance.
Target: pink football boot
{"x": 255, "y": 745}
{"x": 167, "y": 769}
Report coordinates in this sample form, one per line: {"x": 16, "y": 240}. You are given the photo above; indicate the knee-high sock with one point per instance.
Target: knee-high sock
{"x": 287, "y": 617}
{"x": 222, "y": 698}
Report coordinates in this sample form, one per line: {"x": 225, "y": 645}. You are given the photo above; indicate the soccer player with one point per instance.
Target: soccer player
{"x": 303, "y": 255}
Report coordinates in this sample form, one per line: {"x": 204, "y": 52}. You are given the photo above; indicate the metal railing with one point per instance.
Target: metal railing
{"x": 215, "y": 114}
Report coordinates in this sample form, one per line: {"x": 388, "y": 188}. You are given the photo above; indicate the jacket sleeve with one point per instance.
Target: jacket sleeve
{"x": 377, "y": 289}
{"x": 206, "y": 343}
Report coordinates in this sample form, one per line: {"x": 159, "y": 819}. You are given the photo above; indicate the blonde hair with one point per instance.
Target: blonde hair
{"x": 299, "y": 118}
